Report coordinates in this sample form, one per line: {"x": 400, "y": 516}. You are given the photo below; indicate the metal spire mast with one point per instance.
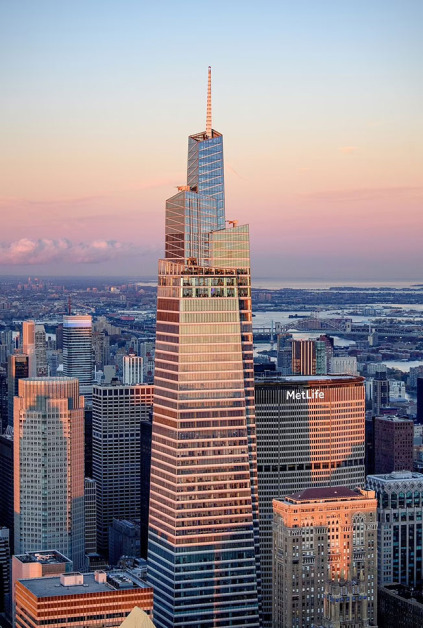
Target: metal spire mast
{"x": 209, "y": 107}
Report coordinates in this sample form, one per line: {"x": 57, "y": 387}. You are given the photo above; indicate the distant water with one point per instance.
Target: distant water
{"x": 324, "y": 284}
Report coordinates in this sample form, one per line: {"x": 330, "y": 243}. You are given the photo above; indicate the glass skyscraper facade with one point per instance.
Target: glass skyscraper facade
{"x": 203, "y": 552}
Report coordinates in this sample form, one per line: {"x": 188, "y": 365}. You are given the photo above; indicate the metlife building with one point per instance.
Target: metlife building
{"x": 310, "y": 433}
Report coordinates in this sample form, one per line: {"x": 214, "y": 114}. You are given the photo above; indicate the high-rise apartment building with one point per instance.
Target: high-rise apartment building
{"x": 17, "y": 368}
{"x": 310, "y": 433}
{"x": 90, "y": 600}
{"x": 394, "y": 441}
{"x": 325, "y": 559}
{"x": 78, "y": 353}
{"x": 118, "y": 412}
{"x": 133, "y": 369}
{"x": 303, "y": 357}
{"x": 49, "y": 467}
{"x": 203, "y": 554}
{"x": 400, "y": 535}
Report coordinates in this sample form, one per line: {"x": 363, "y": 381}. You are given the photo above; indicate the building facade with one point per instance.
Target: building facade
{"x": 90, "y": 509}
{"x": 394, "y": 441}
{"x": 325, "y": 559}
{"x": 203, "y": 552}
{"x": 118, "y": 412}
{"x": 49, "y": 467}
{"x": 17, "y": 368}
{"x": 133, "y": 369}
{"x": 78, "y": 358}
{"x": 305, "y": 440}
{"x": 91, "y": 600}
{"x": 400, "y": 517}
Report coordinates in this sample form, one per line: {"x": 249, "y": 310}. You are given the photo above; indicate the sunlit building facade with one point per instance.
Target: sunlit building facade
{"x": 325, "y": 559}
{"x": 78, "y": 359}
{"x": 310, "y": 433}
{"x": 203, "y": 550}
{"x": 49, "y": 467}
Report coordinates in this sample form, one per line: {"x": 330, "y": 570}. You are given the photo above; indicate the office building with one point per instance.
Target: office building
{"x": 3, "y": 399}
{"x": 4, "y": 568}
{"x": 380, "y": 393}
{"x": 146, "y": 430}
{"x": 303, "y": 357}
{"x": 124, "y": 540}
{"x": 40, "y": 351}
{"x": 203, "y": 554}
{"x": 310, "y": 433}
{"x": 343, "y": 365}
{"x": 6, "y": 474}
{"x": 41, "y": 564}
{"x": 28, "y": 346}
{"x": 133, "y": 369}
{"x": 399, "y": 606}
{"x": 400, "y": 512}
{"x": 78, "y": 353}
{"x": 90, "y": 505}
{"x": 325, "y": 559}
{"x": 394, "y": 440}
{"x": 18, "y": 368}
{"x": 118, "y": 412}
{"x": 49, "y": 467}
{"x": 90, "y": 600}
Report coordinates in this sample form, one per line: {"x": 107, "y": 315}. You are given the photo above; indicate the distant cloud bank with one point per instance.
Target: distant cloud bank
{"x": 46, "y": 251}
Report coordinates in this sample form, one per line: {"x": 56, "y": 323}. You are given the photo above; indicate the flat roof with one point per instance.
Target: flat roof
{"x": 396, "y": 476}
{"x": 324, "y": 493}
{"x": 47, "y": 557}
{"x": 51, "y": 587}
{"x": 313, "y": 379}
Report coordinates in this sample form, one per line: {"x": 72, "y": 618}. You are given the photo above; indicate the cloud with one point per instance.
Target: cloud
{"x": 347, "y": 150}
{"x": 46, "y": 251}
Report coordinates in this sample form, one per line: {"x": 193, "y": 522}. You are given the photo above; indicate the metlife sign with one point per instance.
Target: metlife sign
{"x": 309, "y": 394}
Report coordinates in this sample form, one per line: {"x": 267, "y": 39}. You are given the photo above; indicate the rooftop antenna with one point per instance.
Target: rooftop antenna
{"x": 69, "y": 306}
{"x": 209, "y": 107}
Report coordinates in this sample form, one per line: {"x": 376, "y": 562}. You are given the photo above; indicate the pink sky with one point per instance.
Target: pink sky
{"x": 323, "y": 139}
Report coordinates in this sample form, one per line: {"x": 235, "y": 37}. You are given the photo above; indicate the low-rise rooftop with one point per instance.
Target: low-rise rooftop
{"x": 115, "y": 580}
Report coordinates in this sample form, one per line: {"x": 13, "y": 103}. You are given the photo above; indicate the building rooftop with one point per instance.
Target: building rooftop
{"x": 52, "y": 587}
{"x": 48, "y": 557}
{"x": 395, "y": 419}
{"x": 325, "y": 493}
{"x": 397, "y": 475}
{"x": 316, "y": 379}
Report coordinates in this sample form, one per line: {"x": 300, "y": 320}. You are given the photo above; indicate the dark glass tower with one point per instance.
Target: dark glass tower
{"x": 203, "y": 555}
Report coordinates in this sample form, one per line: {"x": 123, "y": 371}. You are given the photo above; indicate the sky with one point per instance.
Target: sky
{"x": 320, "y": 103}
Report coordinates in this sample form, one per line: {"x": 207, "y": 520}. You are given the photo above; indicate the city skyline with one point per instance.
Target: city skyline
{"x": 322, "y": 102}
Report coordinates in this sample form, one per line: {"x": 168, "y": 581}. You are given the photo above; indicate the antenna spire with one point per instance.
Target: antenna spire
{"x": 209, "y": 107}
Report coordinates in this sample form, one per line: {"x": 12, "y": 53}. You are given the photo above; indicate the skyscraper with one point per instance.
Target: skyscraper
{"x": 78, "y": 353}
{"x": 17, "y": 368}
{"x": 203, "y": 534}
{"x": 49, "y": 467}
{"x": 310, "y": 433}
{"x": 325, "y": 559}
{"x": 118, "y": 412}
{"x": 28, "y": 345}
{"x": 400, "y": 532}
